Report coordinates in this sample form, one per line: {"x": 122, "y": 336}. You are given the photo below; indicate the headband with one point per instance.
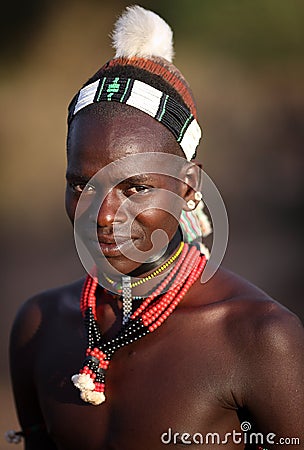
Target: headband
{"x": 166, "y": 110}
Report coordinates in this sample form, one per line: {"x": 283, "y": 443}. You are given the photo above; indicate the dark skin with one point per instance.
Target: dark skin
{"x": 228, "y": 353}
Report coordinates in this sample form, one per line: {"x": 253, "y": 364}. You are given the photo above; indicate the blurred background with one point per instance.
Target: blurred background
{"x": 244, "y": 62}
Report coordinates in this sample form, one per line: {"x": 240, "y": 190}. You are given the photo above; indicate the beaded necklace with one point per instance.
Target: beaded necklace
{"x": 125, "y": 288}
{"x": 153, "y": 311}
{"x": 151, "y": 275}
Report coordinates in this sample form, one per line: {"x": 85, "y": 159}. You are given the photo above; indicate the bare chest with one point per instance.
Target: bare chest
{"x": 167, "y": 382}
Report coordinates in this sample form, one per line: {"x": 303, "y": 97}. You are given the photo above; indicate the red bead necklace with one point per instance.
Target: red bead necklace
{"x": 153, "y": 311}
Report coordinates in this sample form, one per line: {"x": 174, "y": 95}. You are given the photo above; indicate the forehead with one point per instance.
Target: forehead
{"x": 101, "y": 134}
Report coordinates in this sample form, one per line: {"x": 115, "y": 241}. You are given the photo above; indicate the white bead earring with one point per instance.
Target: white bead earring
{"x": 191, "y": 204}
{"x": 198, "y": 196}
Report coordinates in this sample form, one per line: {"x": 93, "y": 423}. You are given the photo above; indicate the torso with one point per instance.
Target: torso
{"x": 186, "y": 377}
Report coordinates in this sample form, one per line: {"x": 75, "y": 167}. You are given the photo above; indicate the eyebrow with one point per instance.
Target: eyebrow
{"x": 76, "y": 175}
{"x": 134, "y": 179}
{"x": 140, "y": 178}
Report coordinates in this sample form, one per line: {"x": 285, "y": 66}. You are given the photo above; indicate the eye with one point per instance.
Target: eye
{"x": 80, "y": 188}
{"x": 138, "y": 189}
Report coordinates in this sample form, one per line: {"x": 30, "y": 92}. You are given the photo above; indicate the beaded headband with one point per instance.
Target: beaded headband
{"x": 177, "y": 118}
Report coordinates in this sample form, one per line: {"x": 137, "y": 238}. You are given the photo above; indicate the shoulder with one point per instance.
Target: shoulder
{"x": 259, "y": 342}
{"x": 31, "y": 340}
{"x": 246, "y": 316}
{"x": 29, "y": 318}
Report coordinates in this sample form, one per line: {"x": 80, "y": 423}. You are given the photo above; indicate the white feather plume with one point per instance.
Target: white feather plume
{"x": 140, "y": 32}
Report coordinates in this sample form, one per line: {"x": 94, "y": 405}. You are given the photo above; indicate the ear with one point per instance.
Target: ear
{"x": 192, "y": 183}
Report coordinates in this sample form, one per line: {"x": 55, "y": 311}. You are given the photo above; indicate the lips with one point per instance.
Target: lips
{"x": 111, "y": 247}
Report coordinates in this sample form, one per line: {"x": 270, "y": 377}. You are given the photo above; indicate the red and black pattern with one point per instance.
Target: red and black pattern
{"x": 153, "y": 311}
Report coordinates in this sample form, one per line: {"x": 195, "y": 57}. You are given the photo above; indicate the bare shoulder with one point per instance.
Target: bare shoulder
{"x": 245, "y": 313}
{"x": 28, "y": 321}
{"x": 253, "y": 340}
{"x": 37, "y": 320}
{"x": 258, "y": 344}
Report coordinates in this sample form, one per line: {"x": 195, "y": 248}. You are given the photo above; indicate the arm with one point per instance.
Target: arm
{"x": 274, "y": 393}
{"x": 23, "y": 353}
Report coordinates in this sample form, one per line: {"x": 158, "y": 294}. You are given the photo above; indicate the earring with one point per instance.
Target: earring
{"x": 191, "y": 204}
{"x": 198, "y": 196}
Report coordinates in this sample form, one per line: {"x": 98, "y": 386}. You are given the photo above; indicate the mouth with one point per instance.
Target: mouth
{"x": 111, "y": 247}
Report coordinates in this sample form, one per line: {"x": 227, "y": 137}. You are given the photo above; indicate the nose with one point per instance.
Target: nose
{"x": 110, "y": 212}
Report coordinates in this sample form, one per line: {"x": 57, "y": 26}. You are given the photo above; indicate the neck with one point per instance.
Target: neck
{"x": 157, "y": 261}
{"x": 146, "y": 272}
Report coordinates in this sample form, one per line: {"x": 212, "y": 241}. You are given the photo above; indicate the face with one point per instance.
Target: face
{"x": 96, "y": 140}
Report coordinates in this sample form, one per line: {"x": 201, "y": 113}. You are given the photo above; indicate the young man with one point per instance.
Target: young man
{"x": 167, "y": 360}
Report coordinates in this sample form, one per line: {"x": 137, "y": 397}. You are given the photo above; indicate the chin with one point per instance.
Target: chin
{"x": 117, "y": 260}
{"x": 121, "y": 264}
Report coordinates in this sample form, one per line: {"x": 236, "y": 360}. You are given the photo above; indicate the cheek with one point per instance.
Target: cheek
{"x": 157, "y": 219}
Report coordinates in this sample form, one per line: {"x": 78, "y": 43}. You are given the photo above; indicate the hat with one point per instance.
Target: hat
{"x": 142, "y": 75}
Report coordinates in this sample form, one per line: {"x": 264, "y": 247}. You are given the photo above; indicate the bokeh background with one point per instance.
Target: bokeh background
{"x": 244, "y": 61}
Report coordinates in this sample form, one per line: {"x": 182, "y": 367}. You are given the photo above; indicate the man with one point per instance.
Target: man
{"x": 168, "y": 360}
